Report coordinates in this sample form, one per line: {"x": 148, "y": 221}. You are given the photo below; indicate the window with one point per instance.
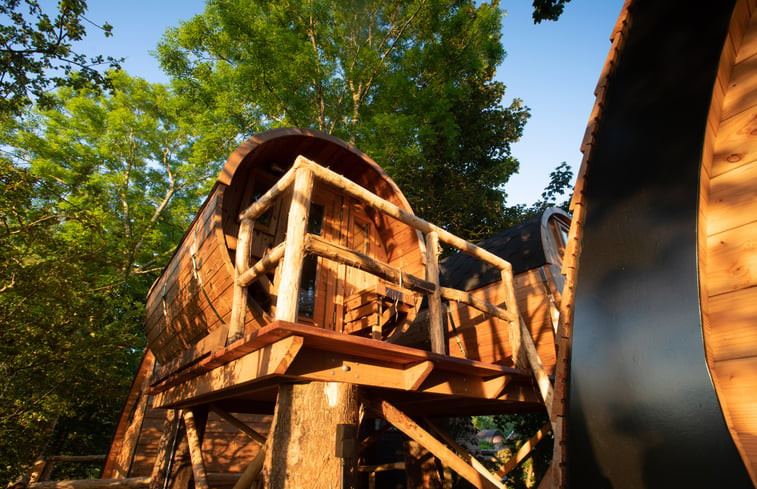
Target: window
{"x": 559, "y": 229}
{"x": 306, "y": 299}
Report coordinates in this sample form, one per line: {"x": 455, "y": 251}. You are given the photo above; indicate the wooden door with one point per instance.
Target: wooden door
{"x": 319, "y": 283}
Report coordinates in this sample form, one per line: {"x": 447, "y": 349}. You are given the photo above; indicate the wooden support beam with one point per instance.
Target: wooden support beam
{"x": 524, "y": 450}
{"x": 436, "y": 323}
{"x": 455, "y": 384}
{"x": 476, "y": 303}
{"x": 414, "y": 431}
{"x": 195, "y": 451}
{"x": 360, "y": 193}
{"x": 272, "y": 359}
{"x": 263, "y": 266}
{"x": 260, "y": 439}
{"x": 462, "y": 452}
{"x": 321, "y": 365}
{"x": 319, "y": 246}
{"x": 291, "y": 270}
{"x": 239, "y": 301}
{"x": 130, "y": 483}
{"x": 164, "y": 455}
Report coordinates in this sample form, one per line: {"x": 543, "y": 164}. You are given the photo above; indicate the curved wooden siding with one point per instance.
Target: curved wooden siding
{"x": 538, "y": 286}
{"x": 183, "y": 305}
{"x": 728, "y": 233}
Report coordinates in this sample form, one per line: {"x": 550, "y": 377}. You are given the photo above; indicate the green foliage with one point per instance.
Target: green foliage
{"x": 97, "y": 190}
{"x": 548, "y": 9}
{"x": 36, "y": 52}
{"x": 559, "y": 185}
{"x": 410, "y": 83}
{"x": 518, "y": 428}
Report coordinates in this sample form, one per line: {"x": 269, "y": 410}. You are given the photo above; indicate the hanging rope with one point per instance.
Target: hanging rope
{"x": 165, "y": 307}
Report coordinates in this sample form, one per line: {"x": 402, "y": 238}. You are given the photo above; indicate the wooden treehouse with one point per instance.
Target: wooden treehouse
{"x": 306, "y": 314}
{"x": 306, "y": 267}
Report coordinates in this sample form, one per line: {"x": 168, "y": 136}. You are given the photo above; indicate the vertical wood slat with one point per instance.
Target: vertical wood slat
{"x": 195, "y": 451}
{"x": 436, "y": 326}
{"x": 294, "y": 253}
{"x": 239, "y": 304}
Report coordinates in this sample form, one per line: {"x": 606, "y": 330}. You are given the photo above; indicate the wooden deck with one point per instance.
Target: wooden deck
{"x": 252, "y": 367}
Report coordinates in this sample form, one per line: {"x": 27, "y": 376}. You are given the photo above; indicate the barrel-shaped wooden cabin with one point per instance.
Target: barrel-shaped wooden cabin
{"x": 227, "y": 324}
{"x": 194, "y": 294}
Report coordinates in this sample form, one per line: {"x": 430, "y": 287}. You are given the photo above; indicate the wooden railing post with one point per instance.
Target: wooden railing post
{"x": 294, "y": 253}
{"x": 436, "y": 324}
{"x": 519, "y": 359}
{"x": 242, "y": 261}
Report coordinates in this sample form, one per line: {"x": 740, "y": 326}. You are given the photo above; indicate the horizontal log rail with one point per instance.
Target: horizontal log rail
{"x": 476, "y": 303}
{"x": 319, "y": 246}
{"x": 260, "y": 206}
{"x": 263, "y": 266}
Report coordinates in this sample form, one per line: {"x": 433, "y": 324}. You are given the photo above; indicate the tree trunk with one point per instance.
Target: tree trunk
{"x": 302, "y": 446}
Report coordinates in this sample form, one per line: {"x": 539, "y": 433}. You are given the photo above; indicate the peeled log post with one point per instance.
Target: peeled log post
{"x": 239, "y": 302}
{"x": 291, "y": 269}
{"x": 301, "y": 451}
{"x": 195, "y": 451}
{"x": 436, "y": 325}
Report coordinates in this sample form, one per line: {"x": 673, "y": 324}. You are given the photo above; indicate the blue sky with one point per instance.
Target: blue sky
{"x": 553, "y": 67}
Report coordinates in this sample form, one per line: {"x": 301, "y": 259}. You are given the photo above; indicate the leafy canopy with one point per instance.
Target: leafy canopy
{"x": 410, "y": 83}
{"x": 36, "y": 51}
{"x": 97, "y": 191}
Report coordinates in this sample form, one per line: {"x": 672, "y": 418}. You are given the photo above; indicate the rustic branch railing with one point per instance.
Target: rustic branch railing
{"x": 298, "y": 242}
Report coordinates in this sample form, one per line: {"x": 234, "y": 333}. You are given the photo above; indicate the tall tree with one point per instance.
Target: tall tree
{"x": 36, "y": 52}
{"x": 410, "y": 83}
{"x": 97, "y": 190}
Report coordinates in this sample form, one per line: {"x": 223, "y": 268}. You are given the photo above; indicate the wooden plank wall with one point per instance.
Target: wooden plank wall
{"x": 190, "y": 316}
{"x": 728, "y": 233}
{"x": 225, "y": 449}
{"x": 487, "y": 339}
